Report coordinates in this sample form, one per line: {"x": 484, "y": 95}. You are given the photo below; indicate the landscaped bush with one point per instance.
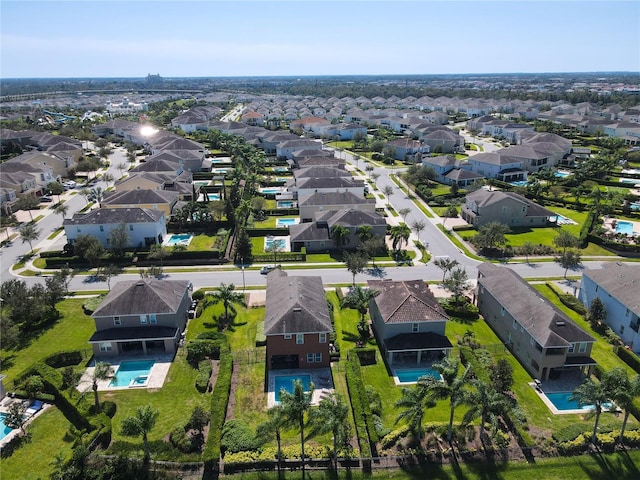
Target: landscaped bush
{"x": 567, "y": 299}
{"x": 237, "y": 436}
{"x": 390, "y": 439}
{"x": 629, "y": 358}
{"x": 575, "y": 447}
{"x": 180, "y": 440}
{"x": 64, "y": 359}
{"x": 465, "y": 310}
{"x": 570, "y": 432}
{"x": 354, "y": 386}
{"x": 219, "y": 401}
{"x": 204, "y": 374}
{"x": 468, "y": 357}
{"x": 109, "y": 408}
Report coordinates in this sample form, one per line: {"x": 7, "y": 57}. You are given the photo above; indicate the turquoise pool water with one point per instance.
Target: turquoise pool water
{"x": 411, "y": 375}
{"x": 276, "y": 242}
{"x": 270, "y": 190}
{"x": 180, "y": 239}
{"x": 4, "y": 430}
{"x": 520, "y": 183}
{"x": 201, "y": 183}
{"x": 562, "y": 174}
{"x": 132, "y": 372}
{"x": 280, "y": 169}
{"x": 561, "y": 401}
{"x": 624, "y": 227}
{"x": 285, "y": 204}
{"x": 286, "y": 221}
{"x": 286, "y": 382}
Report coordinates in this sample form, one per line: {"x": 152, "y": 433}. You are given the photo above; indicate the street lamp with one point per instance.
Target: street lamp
{"x": 244, "y": 285}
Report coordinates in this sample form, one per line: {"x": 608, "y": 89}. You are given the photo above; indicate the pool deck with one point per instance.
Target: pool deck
{"x": 4, "y": 408}
{"x": 320, "y": 377}
{"x": 607, "y": 224}
{"x": 157, "y": 374}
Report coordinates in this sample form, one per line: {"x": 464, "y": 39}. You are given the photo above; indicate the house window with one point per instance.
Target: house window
{"x": 502, "y": 311}
{"x": 102, "y": 228}
{"x": 310, "y": 357}
{"x": 515, "y": 324}
{"x": 572, "y": 348}
{"x": 626, "y": 314}
{"x": 415, "y": 327}
{"x": 322, "y": 338}
{"x": 105, "y": 347}
{"x": 318, "y": 358}
{"x": 131, "y": 228}
{"x": 152, "y": 319}
{"x": 521, "y": 328}
{"x": 78, "y": 229}
{"x": 287, "y": 336}
{"x": 143, "y": 319}
{"x": 116, "y": 321}
{"x": 582, "y": 347}
{"x": 531, "y": 341}
{"x": 621, "y": 329}
{"x": 299, "y": 338}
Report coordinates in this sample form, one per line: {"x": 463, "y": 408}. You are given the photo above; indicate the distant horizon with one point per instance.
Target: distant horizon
{"x": 481, "y": 74}
{"x": 229, "y": 39}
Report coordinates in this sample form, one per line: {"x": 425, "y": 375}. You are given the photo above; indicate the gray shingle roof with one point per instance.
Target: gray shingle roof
{"x": 335, "y": 198}
{"x": 133, "y": 297}
{"x": 295, "y": 305}
{"x": 106, "y": 216}
{"x": 406, "y": 302}
{"x": 621, "y": 281}
{"x": 484, "y": 198}
{"x": 137, "y": 197}
{"x": 548, "y": 325}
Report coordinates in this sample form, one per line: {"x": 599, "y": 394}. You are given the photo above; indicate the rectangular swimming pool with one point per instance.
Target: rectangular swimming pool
{"x": 286, "y": 382}
{"x": 270, "y": 190}
{"x": 285, "y": 204}
{"x": 4, "y": 430}
{"x": 624, "y": 227}
{"x": 179, "y": 239}
{"x": 561, "y": 400}
{"x": 411, "y": 375}
{"x": 132, "y": 373}
{"x": 286, "y": 221}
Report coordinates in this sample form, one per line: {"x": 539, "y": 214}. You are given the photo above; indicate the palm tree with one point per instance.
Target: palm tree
{"x": 399, "y": 234}
{"x": 141, "y": 424}
{"x": 274, "y": 425}
{"x": 364, "y": 233}
{"x": 340, "y": 236}
{"x": 28, "y": 233}
{"x": 61, "y": 209}
{"x": 388, "y": 191}
{"x": 451, "y": 388}
{"x": 358, "y": 298}
{"x": 592, "y": 393}
{"x": 446, "y": 265}
{"x": 623, "y": 391}
{"x": 485, "y": 403}
{"x": 96, "y": 195}
{"x": 101, "y": 371}
{"x": 294, "y": 406}
{"x": 228, "y": 296}
{"x": 355, "y": 263}
{"x": 332, "y": 416}
{"x": 418, "y": 226}
{"x": 413, "y": 402}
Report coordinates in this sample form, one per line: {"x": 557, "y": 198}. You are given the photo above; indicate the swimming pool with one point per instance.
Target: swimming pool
{"x": 561, "y": 174}
{"x": 635, "y": 206}
{"x": 285, "y": 204}
{"x": 201, "y": 183}
{"x": 270, "y": 190}
{"x": 280, "y": 169}
{"x": 276, "y": 242}
{"x": 561, "y": 401}
{"x": 132, "y": 374}
{"x": 179, "y": 239}
{"x": 286, "y": 221}
{"x": 520, "y": 183}
{"x": 411, "y": 375}
{"x": 220, "y": 170}
{"x": 4, "y": 430}
{"x": 286, "y": 382}
{"x": 624, "y": 227}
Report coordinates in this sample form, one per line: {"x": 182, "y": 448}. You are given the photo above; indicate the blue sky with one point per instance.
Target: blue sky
{"x": 310, "y": 37}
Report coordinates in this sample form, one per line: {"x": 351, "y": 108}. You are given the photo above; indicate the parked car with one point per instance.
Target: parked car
{"x": 46, "y": 198}
{"x": 267, "y": 268}
{"x": 69, "y": 185}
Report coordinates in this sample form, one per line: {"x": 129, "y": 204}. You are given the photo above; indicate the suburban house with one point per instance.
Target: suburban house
{"x": 307, "y": 186}
{"x": 288, "y": 147}
{"x": 406, "y": 149}
{"x": 145, "y": 316}
{"x": 163, "y": 200}
{"x": 408, "y": 322}
{"x": 483, "y": 206}
{"x": 316, "y": 236}
{"x": 495, "y": 165}
{"x": 41, "y": 174}
{"x": 323, "y": 201}
{"x": 297, "y": 323}
{"x": 143, "y": 226}
{"x": 182, "y": 184}
{"x": 541, "y": 337}
{"x": 618, "y": 286}
{"x": 59, "y": 162}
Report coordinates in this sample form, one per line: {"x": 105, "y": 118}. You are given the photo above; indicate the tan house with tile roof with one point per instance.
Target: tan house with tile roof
{"x": 408, "y": 322}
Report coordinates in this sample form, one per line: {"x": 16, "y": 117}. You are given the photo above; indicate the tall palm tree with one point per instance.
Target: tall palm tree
{"x": 141, "y": 424}
{"x": 592, "y": 393}
{"x": 364, "y": 233}
{"x": 102, "y": 371}
{"x": 294, "y": 407}
{"x": 452, "y": 388}
{"x": 399, "y": 234}
{"x": 413, "y": 403}
{"x": 332, "y": 416}
{"x": 623, "y": 390}
{"x": 275, "y": 424}
{"x": 340, "y": 236}
{"x": 28, "y": 233}
{"x": 358, "y": 298}
{"x": 418, "y": 226}
{"x": 487, "y": 404}
{"x": 227, "y": 295}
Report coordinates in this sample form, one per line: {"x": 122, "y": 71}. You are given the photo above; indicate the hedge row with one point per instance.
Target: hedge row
{"x": 629, "y": 358}
{"x": 204, "y": 374}
{"x": 357, "y": 387}
{"x": 356, "y": 393}
{"x": 65, "y": 359}
{"x": 567, "y": 299}
{"x": 468, "y": 357}
{"x": 219, "y": 401}
{"x": 587, "y": 226}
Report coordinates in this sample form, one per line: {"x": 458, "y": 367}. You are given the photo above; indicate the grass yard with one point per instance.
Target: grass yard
{"x": 71, "y": 332}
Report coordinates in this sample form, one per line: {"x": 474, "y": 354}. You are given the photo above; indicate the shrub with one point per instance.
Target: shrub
{"x": 576, "y": 446}
{"x": 197, "y": 351}
{"x": 237, "y": 437}
{"x": 180, "y": 440}
{"x": 375, "y": 400}
{"x": 390, "y": 439}
{"x": 197, "y": 295}
{"x": 568, "y": 300}
{"x": 204, "y": 374}
{"x": 569, "y": 433}
{"x": 64, "y": 359}
{"x": 219, "y": 401}
{"x": 630, "y": 358}
{"x": 109, "y": 408}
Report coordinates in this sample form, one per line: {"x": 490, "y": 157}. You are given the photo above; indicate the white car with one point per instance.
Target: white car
{"x": 69, "y": 185}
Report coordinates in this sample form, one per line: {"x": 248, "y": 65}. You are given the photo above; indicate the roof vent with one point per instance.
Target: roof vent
{"x": 140, "y": 283}
{"x": 559, "y": 323}
{"x": 297, "y": 309}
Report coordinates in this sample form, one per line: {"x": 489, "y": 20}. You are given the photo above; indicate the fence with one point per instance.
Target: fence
{"x": 243, "y": 357}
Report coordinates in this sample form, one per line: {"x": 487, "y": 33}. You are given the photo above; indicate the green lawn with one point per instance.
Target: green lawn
{"x": 71, "y": 332}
